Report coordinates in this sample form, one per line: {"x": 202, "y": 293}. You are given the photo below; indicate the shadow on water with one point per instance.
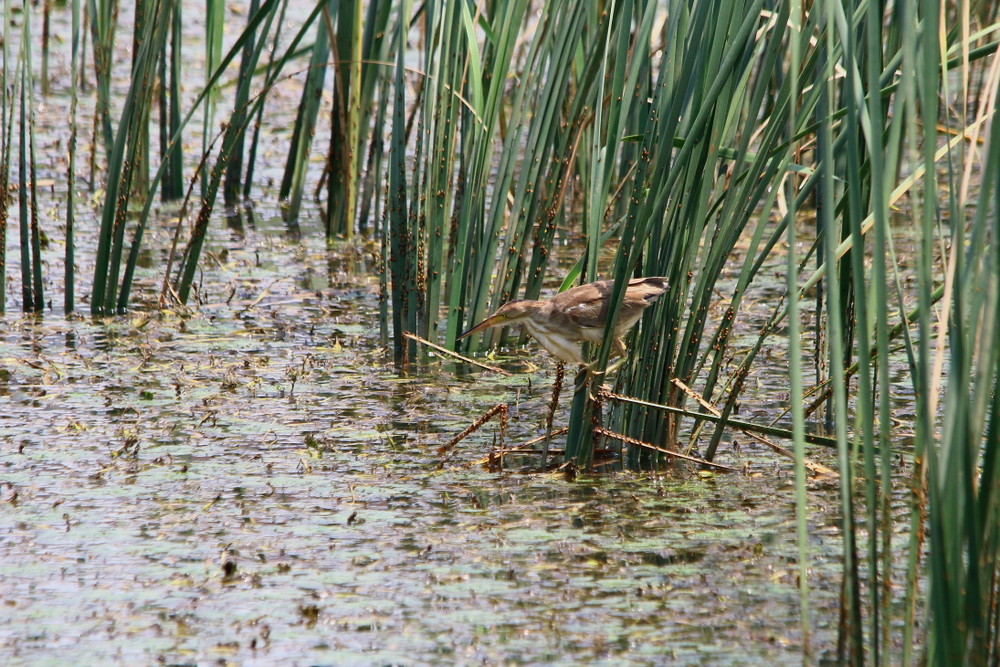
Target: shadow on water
{"x": 252, "y": 480}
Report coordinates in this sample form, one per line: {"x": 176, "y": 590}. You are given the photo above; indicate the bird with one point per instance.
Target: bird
{"x": 567, "y": 320}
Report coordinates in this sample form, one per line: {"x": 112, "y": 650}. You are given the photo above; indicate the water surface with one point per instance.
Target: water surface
{"x": 253, "y": 482}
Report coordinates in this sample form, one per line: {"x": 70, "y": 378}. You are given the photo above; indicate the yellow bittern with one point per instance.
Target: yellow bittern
{"x": 567, "y": 320}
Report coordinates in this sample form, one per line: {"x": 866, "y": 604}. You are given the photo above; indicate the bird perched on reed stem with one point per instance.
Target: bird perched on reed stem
{"x": 563, "y": 323}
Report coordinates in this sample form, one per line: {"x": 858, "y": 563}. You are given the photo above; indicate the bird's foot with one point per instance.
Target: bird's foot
{"x": 615, "y": 365}
{"x": 594, "y": 381}
{"x": 611, "y": 368}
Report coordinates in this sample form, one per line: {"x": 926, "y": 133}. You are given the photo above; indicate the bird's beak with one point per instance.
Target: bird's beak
{"x": 491, "y": 321}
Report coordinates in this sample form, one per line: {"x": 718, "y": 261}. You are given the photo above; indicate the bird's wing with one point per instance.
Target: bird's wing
{"x": 586, "y": 306}
{"x": 645, "y": 289}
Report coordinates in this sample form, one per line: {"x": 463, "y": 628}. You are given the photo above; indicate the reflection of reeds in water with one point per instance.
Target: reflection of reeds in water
{"x": 475, "y": 141}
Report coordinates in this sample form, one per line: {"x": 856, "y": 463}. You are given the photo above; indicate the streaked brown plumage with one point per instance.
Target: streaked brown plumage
{"x": 561, "y": 324}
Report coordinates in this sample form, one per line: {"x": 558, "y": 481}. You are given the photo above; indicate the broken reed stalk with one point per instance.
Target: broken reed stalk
{"x": 635, "y": 442}
{"x": 456, "y": 355}
{"x": 707, "y": 416}
{"x": 815, "y": 468}
{"x": 523, "y": 448}
{"x": 499, "y": 408}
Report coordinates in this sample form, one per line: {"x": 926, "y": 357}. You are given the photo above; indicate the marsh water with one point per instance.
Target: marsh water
{"x": 250, "y": 480}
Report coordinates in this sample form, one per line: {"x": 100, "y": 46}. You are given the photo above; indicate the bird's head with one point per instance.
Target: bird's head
{"x": 509, "y": 313}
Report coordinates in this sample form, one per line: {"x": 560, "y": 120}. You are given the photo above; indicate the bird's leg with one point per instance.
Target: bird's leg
{"x": 582, "y": 377}
{"x": 612, "y": 367}
{"x": 619, "y": 350}
{"x": 587, "y": 373}
{"x": 581, "y": 383}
